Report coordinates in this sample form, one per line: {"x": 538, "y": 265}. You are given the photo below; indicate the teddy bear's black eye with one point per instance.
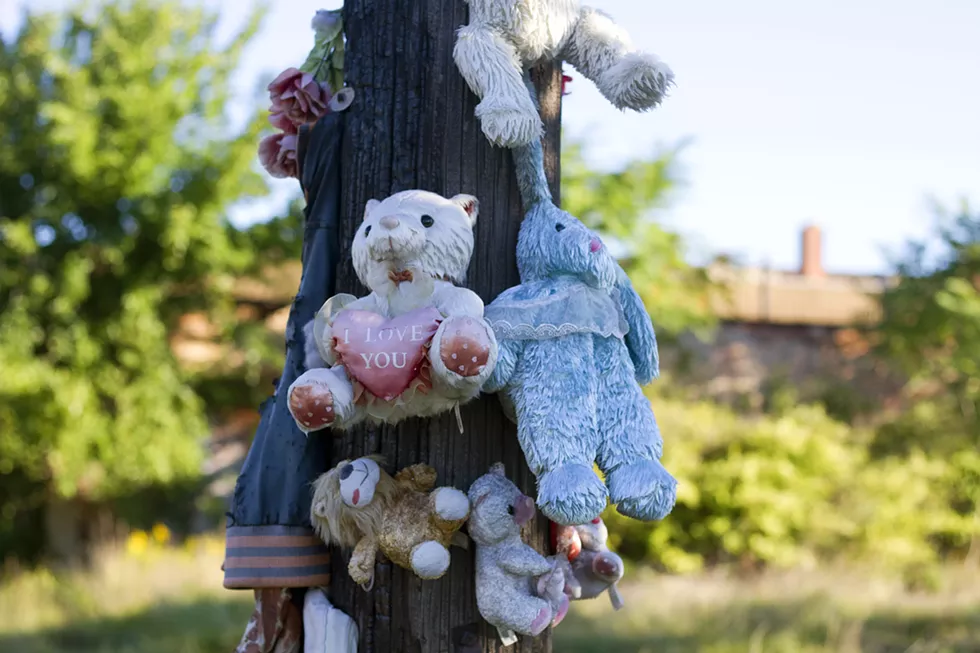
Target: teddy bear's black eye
{"x": 559, "y": 227}
{"x": 427, "y": 221}
{"x": 346, "y": 471}
{"x": 510, "y": 510}
{"x": 367, "y": 230}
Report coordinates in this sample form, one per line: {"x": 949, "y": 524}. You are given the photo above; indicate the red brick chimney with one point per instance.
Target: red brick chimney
{"x": 811, "y": 266}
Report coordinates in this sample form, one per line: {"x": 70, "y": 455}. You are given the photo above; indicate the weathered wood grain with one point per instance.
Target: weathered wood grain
{"x": 412, "y": 126}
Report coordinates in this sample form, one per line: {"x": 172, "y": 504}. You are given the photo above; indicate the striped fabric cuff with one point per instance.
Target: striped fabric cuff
{"x": 274, "y": 556}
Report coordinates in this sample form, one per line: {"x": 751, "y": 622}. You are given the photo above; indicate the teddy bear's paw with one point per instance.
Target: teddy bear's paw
{"x": 643, "y": 490}
{"x": 571, "y": 494}
{"x": 451, "y": 504}
{"x": 541, "y": 621}
{"x": 561, "y": 611}
{"x": 364, "y": 578}
{"x": 510, "y": 124}
{"x": 571, "y": 587}
{"x": 551, "y": 586}
{"x": 311, "y": 403}
{"x": 465, "y": 347}
{"x": 639, "y": 81}
{"x": 430, "y": 560}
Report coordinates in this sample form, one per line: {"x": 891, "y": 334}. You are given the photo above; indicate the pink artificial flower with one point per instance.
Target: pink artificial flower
{"x": 298, "y": 99}
{"x": 281, "y": 121}
{"x": 277, "y": 153}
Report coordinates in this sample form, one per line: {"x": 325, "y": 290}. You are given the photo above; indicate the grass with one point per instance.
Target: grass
{"x": 145, "y": 598}
{"x": 790, "y": 613}
{"x": 177, "y": 605}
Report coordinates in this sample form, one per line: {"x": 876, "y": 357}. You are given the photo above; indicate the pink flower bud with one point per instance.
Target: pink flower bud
{"x": 277, "y": 154}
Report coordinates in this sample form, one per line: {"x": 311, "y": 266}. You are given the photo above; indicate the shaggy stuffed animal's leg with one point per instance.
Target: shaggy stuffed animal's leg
{"x": 629, "y": 454}
{"x": 557, "y": 427}
{"x": 321, "y": 398}
{"x": 493, "y": 71}
{"x": 603, "y": 51}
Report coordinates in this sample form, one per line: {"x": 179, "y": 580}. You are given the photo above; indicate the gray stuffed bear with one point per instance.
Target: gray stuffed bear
{"x": 517, "y": 589}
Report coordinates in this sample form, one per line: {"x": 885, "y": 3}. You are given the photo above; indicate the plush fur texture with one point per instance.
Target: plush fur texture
{"x": 571, "y": 376}
{"x": 411, "y": 250}
{"x": 504, "y": 37}
{"x": 407, "y": 520}
{"x": 517, "y": 589}
{"x": 590, "y": 567}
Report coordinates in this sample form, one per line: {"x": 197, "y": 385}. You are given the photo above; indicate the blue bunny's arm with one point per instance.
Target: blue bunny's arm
{"x": 508, "y": 352}
{"x": 641, "y": 341}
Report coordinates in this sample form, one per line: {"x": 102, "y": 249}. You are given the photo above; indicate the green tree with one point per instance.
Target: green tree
{"x": 621, "y": 205}
{"x": 930, "y": 328}
{"x": 930, "y": 324}
{"x": 117, "y": 169}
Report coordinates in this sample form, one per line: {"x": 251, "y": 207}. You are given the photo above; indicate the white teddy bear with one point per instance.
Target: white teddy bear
{"x": 506, "y": 36}
{"x": 418, "y": 344}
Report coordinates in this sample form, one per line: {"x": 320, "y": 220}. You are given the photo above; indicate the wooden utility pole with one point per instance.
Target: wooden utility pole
{"x": 412, "y": 126}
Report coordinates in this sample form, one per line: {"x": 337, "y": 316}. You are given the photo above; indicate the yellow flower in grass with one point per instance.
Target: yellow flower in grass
{"x": 137, "y": 543}
{"x": 161, "y": 534}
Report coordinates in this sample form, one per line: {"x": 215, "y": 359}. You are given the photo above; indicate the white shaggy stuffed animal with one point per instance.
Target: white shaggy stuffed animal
{"x": 418, "y": 344}
{"x": 506, "y": 36}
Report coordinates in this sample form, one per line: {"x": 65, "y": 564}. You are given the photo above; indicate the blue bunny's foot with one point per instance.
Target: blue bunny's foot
{"x": 571, "y": 494}
{"x": 643, "y": 490}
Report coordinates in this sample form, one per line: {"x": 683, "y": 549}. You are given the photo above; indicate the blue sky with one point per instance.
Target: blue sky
{"x": 850, "y": 115}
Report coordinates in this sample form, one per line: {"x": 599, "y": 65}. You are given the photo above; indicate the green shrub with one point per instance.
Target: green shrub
{"x": 795, "y": 490}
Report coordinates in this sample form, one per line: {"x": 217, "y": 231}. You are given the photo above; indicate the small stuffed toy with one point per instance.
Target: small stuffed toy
{"x": 357, "y": 504}
{"x": 504, "y": 37}
{"x": 517, "y": 589}
{"x": 575, "y": 345}
{"x": 418, "y": 344}
{"x": 590, "y": 567}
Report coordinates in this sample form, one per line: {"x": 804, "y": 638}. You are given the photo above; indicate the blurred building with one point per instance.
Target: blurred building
{"x": 798, "y": 328}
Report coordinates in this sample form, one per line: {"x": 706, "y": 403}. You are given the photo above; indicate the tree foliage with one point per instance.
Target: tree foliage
{"x": 117, "y": 169}
{"x": 621, "y": 205}
{"x": 931, "y": 320}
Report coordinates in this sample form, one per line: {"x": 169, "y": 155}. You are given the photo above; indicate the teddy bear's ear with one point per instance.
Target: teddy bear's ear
{"x": 320, "y": 509}
{"x": 370, "y": 206}
{"x": 469, "y": 204}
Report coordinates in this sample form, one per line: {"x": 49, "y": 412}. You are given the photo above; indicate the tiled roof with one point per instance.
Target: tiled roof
{"x": 777, "y": 297}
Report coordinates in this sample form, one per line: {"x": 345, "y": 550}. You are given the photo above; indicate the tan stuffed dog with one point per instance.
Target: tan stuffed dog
{"x": 358, "y": 504}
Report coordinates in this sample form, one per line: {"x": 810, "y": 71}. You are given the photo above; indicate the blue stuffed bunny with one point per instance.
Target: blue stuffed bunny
{"x": 575, "y": 345}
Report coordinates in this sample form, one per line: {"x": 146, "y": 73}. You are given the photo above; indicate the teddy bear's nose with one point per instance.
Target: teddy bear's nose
{"x": 389, "y": 222}
{"x": 594, "y": 245}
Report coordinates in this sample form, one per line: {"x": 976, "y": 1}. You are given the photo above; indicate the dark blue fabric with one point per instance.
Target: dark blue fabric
{"x": 274, "y": 487}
